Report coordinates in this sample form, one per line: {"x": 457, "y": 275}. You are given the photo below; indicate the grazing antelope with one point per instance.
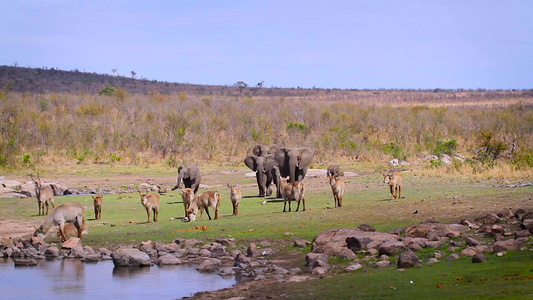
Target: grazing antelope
{"x": 394, "y": 180}
{"x": 44, "y": 194}
{"x": 203, "y": 202}
{"x": 187, "y": 195}
{"x": 98, "y": 201}
{"x": 235, "y": 196}
{"x": 337, "y": 187}
{"x": 71, "y": 230}
{"x": 294, "y": 190}
{"x": 151, "y": 203}
{"x": 71, "y": 212}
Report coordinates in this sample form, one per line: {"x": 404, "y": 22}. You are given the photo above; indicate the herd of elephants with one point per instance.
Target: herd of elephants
{"x": 283, "y": 167}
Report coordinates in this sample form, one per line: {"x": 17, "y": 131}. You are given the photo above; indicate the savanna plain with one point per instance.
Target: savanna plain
{"x": 469, "y": 153}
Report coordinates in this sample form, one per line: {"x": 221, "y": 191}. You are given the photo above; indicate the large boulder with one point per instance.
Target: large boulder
{"x": 130, "y": 257}
{"x": 408, "y": 260}
{"x": 336, "y": 241}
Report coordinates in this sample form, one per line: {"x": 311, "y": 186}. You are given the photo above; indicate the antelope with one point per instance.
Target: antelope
{"x": 294, "y": 190}
{"x": 71, "y": 230}
{"x": 337, "y": 187}
{"x": 236, "y": 195}
{"x": 187, "y": 195}
{"x": 44, "y": 194}
{"x": 394, "y": 180}
{"x": 71, "y": 212}
{"x": 151, "y": 203}
{"x": 98, "y": 202}
{"x": 203, "y": 202}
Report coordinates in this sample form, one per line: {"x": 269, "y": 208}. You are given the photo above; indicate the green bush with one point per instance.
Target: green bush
{"x": 446, "y": 147}
{"x": 523, "y": 159}
{"x": 489, "y": 150}
{"x": 107, "y": 91}
{"x": 296, "y": 125}
{"x": 395, "y": 150}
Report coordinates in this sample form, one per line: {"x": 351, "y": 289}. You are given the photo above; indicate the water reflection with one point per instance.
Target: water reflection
{"x": 70, "y": 278}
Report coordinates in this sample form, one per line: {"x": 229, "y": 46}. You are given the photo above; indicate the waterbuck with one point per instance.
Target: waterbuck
{"x": 187, "y": 194}
{"x": 292, "y": 191}
{"x": 203, "y": 202}
{"x": 235, "y": 196}
{"x": 394, "y": 180}
{"x": 337, "y": 187}
{"x": 151, "y": 203}
{"x": 44, "y": 194}
{"x": 98, "y": 201}
{"x": 71, "y": 212}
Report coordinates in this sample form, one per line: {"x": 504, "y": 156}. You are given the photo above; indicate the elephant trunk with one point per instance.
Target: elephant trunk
{"x": 293, "y": 163}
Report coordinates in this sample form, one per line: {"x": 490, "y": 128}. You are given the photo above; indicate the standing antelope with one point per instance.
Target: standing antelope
{"x": 44, "y": 194}
{"x": 187, "y": 195}
{"x": 98, "y": 202}
{"x": 394, "y": 180}
{"x": 294, "y": 190}
{"x": 151, "y": 203}
{"x": 71, "y": 212}
{"x": 337, "y": 187}
{"x": 236, "y": 195}
{"x": 203, "y": 202}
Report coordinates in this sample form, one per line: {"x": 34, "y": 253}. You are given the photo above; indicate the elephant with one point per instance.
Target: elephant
{"x": 190, "y": 176}
{"x": 294, "y": 162}
{"x": 262, "y": 150}
{"x": 335, "y": 170}
{"x": 266, "y": 172}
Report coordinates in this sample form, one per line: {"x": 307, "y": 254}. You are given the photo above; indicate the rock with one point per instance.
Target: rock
{"x": 522, "y": 233}
{"x": 226, "y": 242}
{"x": 206, "y": 266}
{"x": 468, "y": 252}
{"x": 432, "y": 261}
{"x": 453, "y": 257}
{"x": 78, "y": 252}
{"x": 12, "y": 184}
{"x": 434, "y": 244}
{"x": 252, "y": 251}
{"x": 353, "y": 267}
{"x": 104, "y": 252}
{"x": 319, "y": 271}
{"x": 19, "y": 262}
{"x": 71, "y": 243}
{"x": 130, "y": 257}
{"x": 408, "y": 260}
{"x": 479, "y": 258}
{"x": 146, "y": 246}
{"x": 295, "y": 271}
{"x": 506, "y": 245}
{"x": 333, "y": 241}
{"x": 519, "y": 213}
{"x": 527, "y": 221}
{"x": 491, "y": 219}
{"x": 168, "y": 259}
{"x": 472, "y": 242}
{"x": 241, "y": 259}
{"x": 204, "y": 253}
{"x": 312, "y": 258}
{"x": 433, "y": 230}
{"x": 366, "y": 227}
{"x": 90, "y": 258}
{"x": 51, "y": 252}
{"x": 391, "y": 248}
{"x": 277, "y": 270}
{"x": 228, "y": 271}
{"x": 301, "y": 243}
{"x": 383, "y": 263}
{"x": 169, "y": 248}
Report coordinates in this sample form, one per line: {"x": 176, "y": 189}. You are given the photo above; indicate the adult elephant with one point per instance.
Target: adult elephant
{"x": 294, "y": 162}
{"x": 263, "y": 150}
{"x": 190, "y": 176}
{"x": 266, "y": 173}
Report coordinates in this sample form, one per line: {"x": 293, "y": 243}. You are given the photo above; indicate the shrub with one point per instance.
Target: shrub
{"x": 395, "y": 150}
{"x": 446, "y": 147}
{"x": 523, "y": 159}
{"x": 107, "y": 91}
{"x": 489, "y": 150}
{"x": 296, "y": 125}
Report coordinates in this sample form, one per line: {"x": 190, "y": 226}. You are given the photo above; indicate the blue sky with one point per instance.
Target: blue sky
{"x": 327, "y": 44}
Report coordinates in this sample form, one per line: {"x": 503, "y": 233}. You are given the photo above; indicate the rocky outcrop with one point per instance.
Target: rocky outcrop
{"x": 130, "y": 257}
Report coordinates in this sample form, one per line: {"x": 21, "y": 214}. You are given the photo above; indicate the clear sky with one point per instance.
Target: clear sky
{"x": 285, "y": 43}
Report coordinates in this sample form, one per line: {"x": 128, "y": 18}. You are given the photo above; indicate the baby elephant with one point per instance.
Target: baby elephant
{"x": 394, "y": 180}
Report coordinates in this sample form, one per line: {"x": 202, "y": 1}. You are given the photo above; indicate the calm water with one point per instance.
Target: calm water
{"x": 72, "y": 279}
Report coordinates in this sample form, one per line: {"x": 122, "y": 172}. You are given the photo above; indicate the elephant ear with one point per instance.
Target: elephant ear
{"x": 258, "y": 150}
{"x": 250, "y": 162}
{"x": 281, "y": 157}
{"x": 193, "y": 172}
{"x": 305, "y": 158}
{"x": 270, "y": 162}
{"x": 272, "y": 149}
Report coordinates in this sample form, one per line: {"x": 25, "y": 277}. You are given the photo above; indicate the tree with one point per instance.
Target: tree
{"x": 108, "y": 91}
{"x": 133, "y": 74}
{"x": 114, "y": 71}
{"x": 241, "y": 85}
{"x": 15, "y": 64}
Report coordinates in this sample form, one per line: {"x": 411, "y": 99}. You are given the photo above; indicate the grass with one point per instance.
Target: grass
{"x": 445, "y": 197}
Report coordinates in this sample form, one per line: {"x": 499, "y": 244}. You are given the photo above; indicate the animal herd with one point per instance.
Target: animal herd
{"x": 283, "y": 167}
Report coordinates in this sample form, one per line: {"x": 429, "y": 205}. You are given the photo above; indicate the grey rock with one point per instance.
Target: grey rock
{"x": 130, "y": 257}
